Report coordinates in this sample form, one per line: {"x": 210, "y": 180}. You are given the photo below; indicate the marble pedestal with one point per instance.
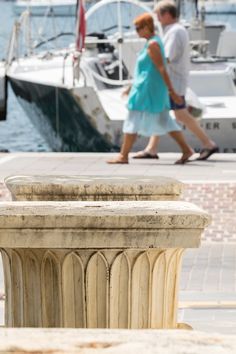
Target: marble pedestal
{"x": 66, "y": 188}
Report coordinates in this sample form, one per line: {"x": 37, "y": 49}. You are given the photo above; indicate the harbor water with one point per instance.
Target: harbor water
{"x": 17, "y": 133}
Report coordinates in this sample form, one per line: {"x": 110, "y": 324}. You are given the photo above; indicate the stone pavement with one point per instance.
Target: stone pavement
{"x": 208, "y": 283}
{"x": 208, "y": 288}
{"x": 219, "y": 168}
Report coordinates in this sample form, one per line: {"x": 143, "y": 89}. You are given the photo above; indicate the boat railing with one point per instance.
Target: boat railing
{"x": 21, "y": 30}
{"x": 118, "y": 58}
{"x": 84, "y": 77}
{"x": 63, "y": 66}
{"x": 27, "y": 37}
{"x": 77, "y": 70}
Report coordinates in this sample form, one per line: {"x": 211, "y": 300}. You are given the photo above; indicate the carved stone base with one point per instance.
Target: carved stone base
{"x": 104, "y": 288}
{"x": 110, "y": 341}
{"x": 95, "y": 264}
{"x": 184, "y": 326}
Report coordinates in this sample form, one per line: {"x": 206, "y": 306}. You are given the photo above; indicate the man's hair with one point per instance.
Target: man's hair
{"x": 145, "y": 20}
{"x": 169, "y": 6}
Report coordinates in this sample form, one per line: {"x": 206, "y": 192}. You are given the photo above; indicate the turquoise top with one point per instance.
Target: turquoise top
{"x": 149, "y": 92}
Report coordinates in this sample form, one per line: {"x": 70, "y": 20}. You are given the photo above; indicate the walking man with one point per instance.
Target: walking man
{"x": 176, "y": 44}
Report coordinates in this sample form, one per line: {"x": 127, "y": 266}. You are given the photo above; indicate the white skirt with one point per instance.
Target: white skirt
{"x": 148, "y": 124}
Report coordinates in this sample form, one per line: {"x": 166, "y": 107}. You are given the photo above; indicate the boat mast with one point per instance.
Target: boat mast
{"x": 181, "y": 8}
{"x": 200, "y": 15}
{"x": 196, "y": 9}
{"x": 178, "y": 5}
{"x": 199, "y": 22}
{"x": 120, "y": 40}
{"x": 202, "y": 21}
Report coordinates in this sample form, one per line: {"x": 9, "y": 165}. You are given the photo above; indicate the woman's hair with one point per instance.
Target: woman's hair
{"x": 169, "y": 6}
{"x": 145, "y": 20}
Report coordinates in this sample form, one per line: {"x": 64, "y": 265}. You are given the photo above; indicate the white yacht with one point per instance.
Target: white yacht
{"x": 75, "y": 101}
{"x": 215, "y": 7}
{"x": 43, "y": 7}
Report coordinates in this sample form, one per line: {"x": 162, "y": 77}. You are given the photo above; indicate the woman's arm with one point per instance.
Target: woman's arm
{"x": 126, "y": 91}
{"x": 154, "y": 52}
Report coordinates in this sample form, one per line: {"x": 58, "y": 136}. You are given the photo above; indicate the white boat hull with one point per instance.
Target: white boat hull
{"x": 82, "y": 124}
{"x": 218, "y": 122}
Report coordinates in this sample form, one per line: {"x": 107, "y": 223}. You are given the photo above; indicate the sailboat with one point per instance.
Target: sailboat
{"x": 67, "y": 94}
{"x": 74, "y": 99}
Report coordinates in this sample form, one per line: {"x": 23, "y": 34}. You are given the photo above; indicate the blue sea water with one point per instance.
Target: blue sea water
{"x": 17, "y": 133}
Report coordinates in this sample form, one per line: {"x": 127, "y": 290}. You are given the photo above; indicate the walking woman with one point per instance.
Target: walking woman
{"x": 148, "y": 101}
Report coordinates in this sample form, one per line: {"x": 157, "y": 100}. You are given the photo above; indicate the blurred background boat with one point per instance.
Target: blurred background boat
{"x": 42, "y": 7}
{"x": 220, "y": 7}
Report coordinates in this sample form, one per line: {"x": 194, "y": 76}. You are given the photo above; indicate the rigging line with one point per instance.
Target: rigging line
{"x": 115, "y": 26}
{"x": 113, "y": 16}
{"x": 53, "y": 38}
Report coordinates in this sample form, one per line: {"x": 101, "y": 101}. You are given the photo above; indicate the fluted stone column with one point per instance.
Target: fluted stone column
{"x": 95, "y": 264}
{"x": 62, "y": 188}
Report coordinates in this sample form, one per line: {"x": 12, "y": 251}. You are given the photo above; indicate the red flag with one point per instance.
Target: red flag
{"x": 80, "y": 26}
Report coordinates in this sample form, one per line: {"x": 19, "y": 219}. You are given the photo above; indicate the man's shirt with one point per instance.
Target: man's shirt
{"x": 176, "y": 43}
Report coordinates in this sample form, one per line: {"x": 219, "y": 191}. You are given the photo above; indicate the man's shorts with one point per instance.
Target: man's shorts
{"x": 174, "y": 106}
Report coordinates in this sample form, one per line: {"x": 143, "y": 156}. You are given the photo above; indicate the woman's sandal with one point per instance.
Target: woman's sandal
{"x": 117, "y": 160}
{"x": 145, "y": 155}
{"x": 206, "y": 152}
{"x": 184, "y": 159}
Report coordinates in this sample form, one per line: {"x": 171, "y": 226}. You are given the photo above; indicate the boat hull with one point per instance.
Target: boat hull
{"x": 220, "y": 130}
{"x": 57, "y": 115}
{"x": 3, "y": 92}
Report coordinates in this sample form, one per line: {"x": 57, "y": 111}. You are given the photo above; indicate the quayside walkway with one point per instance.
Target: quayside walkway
{"x": 208, "y": 283}
{"x": 219, "y": 168}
